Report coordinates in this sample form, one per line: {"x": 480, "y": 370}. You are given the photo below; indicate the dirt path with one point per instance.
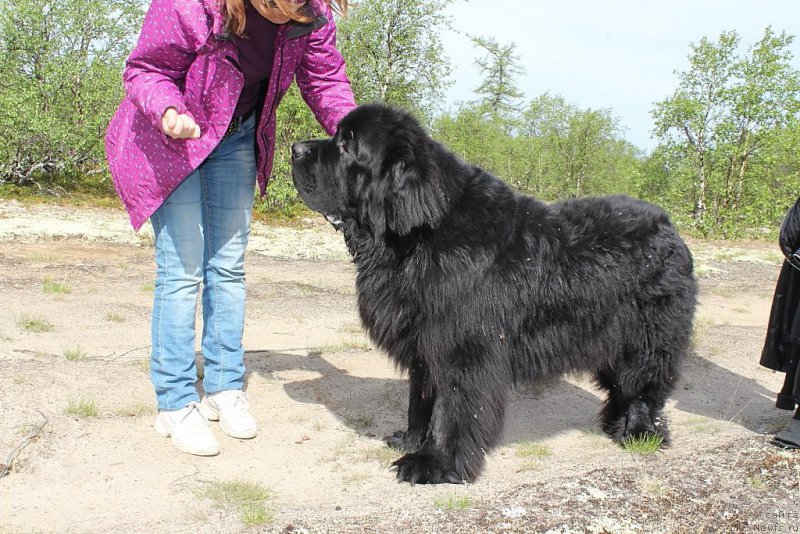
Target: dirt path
{"x": 323, "y": 399}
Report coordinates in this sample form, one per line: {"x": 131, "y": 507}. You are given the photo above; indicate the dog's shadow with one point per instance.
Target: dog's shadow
{"x": 377, "y": 406}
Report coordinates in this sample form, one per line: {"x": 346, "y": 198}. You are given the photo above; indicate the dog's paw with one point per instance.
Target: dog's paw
{"x": 423, "y": 468}
{"x": 403, "y": 441}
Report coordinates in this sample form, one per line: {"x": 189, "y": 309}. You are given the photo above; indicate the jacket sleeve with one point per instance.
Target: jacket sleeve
{"x": 172, "y": 33}
{"x": 789, "y": 235}
{"x": 322, "y": 80}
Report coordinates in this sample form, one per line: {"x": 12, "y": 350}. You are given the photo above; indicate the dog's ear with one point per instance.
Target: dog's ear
{"x": 376, "y": 208}
{"x": 416, "y": 198}
{"x": 345, "y": 141}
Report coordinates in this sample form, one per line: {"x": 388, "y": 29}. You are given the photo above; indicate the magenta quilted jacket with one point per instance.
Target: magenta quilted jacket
{"x": 182, "y": 59}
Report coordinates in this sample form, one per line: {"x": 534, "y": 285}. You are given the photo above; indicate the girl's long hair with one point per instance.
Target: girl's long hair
{"x": 235, "y": 17}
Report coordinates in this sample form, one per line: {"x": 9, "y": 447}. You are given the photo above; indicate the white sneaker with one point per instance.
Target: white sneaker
{"x": 189, "y": 430}
{"x": 230, "y": 408}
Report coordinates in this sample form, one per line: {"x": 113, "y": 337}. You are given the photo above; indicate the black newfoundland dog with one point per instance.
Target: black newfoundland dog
{"x": 472, "y": 288}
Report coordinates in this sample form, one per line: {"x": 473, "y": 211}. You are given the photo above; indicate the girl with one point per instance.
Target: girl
{"x": 193, "y": 134}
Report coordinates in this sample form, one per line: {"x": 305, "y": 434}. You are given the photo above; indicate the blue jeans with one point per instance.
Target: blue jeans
{"x": 201, "y": 234}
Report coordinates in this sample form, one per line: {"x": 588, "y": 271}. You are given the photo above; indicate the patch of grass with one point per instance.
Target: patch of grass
{"x": 724, "y": 256}
{"x": 289, "y": 213}
{"x": 532, "y": 449}
{"x": 346, "y": 345}
{"x": 774, "y": 257}
{"x": 756, "y": 483}
{"x": 87, "y": 190}
{"x": 701, "y": 269}
{"x": 51, "y": 287}
{"x": 135, "y": 410}
{"x": 359, "y": 421}
{"x": 318, "y": 426}
{"x": 256, "y": 514}
{"x": 452, "y": 503}
{"x": 306, "y": 289}
{"x": 383, "y": 454}
{"x": 34, "y": 324}
{"x": 84, "y": 408}
{"x": 702, "y": 324}
{"x": 146, "y": 238}
{"x": 149, "y": 287}
{"x": 346, "y": 448}
{"x": 597, "y": 439}
{"x": 75, "y": 354}
{"x": 775, "y": 425}
{"x": 248, "y": 497}
{"x": 393, "y": 400}
{"x": 723, "y": 291}
{"x": 702, "y": 425}
{"x": 298, "y": 418}
{"x": 354, "y": 479}
{"x": 655, "y": 487}
{"x": 529, "y": 465}
{"x": 143, "y": 364}
{"x": 643, "y": 445}
{"x": 42, "y": 257}
{"x": 351, "y": 328}
{"x": 115, "y": 317}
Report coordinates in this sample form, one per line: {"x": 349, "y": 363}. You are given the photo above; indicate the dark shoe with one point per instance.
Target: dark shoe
{"x": 789, "y": 437}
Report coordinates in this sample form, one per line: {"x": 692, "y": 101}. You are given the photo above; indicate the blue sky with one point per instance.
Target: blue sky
{"x": 618, "y": 54}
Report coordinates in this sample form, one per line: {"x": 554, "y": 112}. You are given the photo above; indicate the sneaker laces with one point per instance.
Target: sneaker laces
{"x": 240, "y": 399}
{"x": 193, "y": 407}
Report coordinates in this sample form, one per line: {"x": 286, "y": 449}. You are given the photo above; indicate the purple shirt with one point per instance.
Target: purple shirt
{"x": 183, "y": 60}
{"x": 256, "y": 52}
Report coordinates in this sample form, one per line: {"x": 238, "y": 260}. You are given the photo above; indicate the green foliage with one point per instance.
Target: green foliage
{"x": 394, "y": 53}
{"x": 727, "y": 163}
{"x": 248, "y": 497}
{"x": 75, "y": 354}
{"x": 452, "y": 502}
{"x": 60, "y": 65}
{"x": 581, "y": 152}
{"x": 295, "y": 122}
{"x": 34, "y": 324}
{"x": 54, "y": 287}
{"x": 643, "y": 445}
{"x": 553, "y": 150}
{"x": 498, "y": 92}
{"x": 83, "y": 408}
{"x": 730, "y": 120}
{"x": 531, "y": 449}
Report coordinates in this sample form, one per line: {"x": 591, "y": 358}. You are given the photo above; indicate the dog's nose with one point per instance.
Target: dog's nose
{"x": 300, "y": 150}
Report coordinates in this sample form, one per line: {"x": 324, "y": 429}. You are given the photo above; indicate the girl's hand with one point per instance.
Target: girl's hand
{"x": 179, "y": 126}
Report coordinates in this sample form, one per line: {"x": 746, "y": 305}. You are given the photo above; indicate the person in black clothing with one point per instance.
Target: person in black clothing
{"x": 782, "y": 345}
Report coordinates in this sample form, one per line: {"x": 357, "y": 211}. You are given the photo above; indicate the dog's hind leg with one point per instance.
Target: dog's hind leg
{"x": 421, "y": 395}
{"x": 638, "y": 386}
{"x": 466, "y": 423}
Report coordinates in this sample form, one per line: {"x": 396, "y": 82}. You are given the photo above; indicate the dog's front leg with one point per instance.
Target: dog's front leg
{"x": 421, "y": 396}
{"x": 466, "y": 422}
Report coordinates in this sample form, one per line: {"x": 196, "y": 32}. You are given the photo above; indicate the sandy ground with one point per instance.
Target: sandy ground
{"x": 323, "y": 398}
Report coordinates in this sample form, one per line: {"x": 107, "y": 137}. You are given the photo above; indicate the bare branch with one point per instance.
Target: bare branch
{"x": 5, "y": 468}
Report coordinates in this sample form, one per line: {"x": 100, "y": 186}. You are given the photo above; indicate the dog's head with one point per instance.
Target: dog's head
{"x": 379, "y": 170}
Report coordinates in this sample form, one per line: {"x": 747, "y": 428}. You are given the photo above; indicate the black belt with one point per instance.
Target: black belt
{"x": 236, "y": 122}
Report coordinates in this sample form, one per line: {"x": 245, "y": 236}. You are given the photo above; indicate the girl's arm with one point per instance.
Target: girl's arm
{"x": 322, "y": 80}
{"x": 172, "y": 32}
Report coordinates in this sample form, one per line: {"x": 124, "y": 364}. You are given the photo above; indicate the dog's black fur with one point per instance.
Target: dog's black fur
{"x": 472, "y": 288}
